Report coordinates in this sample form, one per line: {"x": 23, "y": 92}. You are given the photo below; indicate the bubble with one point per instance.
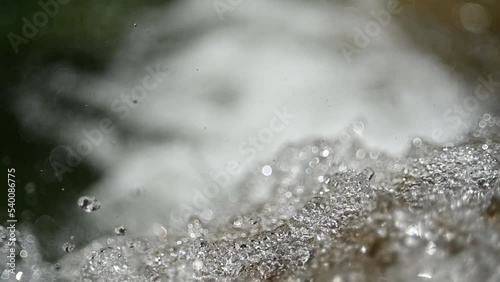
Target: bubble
{"x": 23, "y": 254}
{"x": 325, "y": 153}
{"x": 361, "y": 154}
{"x": 267, "y": 170}
{"x": 120, "y": 231}
{"x": 302, "y": 156}
{"x": 474, "y": 17}
{"x": 207, "y": 214}
{"x": 358, "y": 127}
{"x": 30, "y": 239}
{"x": 89, "y": 204}
{"x": 417, "y": 142}
{"x": 5, "y": 275}
{"x": 68, "y": 247}
{"x": 19, "y": 276}
{"x": 160, "y": 231}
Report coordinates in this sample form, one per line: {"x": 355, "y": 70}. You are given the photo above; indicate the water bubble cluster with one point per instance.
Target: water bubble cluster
{"x": 329, "y": 215}
{"x": 332, "y": 215}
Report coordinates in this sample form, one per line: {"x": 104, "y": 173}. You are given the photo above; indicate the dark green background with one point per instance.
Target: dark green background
{"x": 83, "y": 34}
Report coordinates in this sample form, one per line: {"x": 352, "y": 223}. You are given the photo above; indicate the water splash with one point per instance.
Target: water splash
{"x": 330, "y": 216}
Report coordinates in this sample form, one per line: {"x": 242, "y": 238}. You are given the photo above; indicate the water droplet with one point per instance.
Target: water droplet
{"x": 120, "y": 231}
{"x": 89, "y": 204}
{"x": 68, "y": 248}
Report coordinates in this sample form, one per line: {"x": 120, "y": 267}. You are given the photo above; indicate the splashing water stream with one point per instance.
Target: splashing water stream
{"x": 329, "y": 213}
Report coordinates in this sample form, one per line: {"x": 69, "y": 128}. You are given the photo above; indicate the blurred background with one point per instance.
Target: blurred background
{"x": 229, "y": 56}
